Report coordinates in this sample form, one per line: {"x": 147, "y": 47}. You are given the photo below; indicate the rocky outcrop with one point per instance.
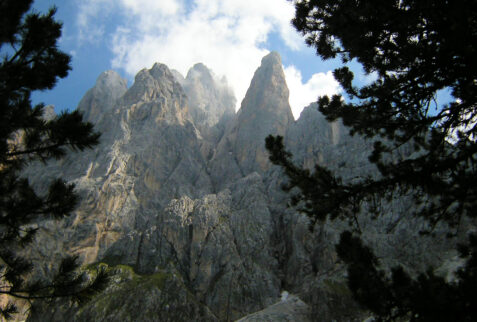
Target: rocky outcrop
{"x": 149, "y": 154}
{"x": 182, "y": 186}
{"x": 220, "y": 244}
{"x": 212, "y": 102}
{"x": 211, "y": 105}
{"x": 103, "y": 96}
{"x": 330, "y": 145}
{"x": 265, "y": 110}
{"x": 289, "y": 309}
{"x": 155, "y": 96}
{"x": 161, "y": 296}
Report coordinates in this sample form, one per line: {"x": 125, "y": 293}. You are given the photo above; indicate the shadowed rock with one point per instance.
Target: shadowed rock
{"x": 102, "y": 97}
{"x": 265, "y": 110}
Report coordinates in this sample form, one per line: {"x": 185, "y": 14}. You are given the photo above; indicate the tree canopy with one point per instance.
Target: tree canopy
{"x": 31, "y": 60}
{"x": 414, "y": 50}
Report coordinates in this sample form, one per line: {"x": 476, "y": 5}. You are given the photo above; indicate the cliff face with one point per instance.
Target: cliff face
{"x": 211, "y": 100}
{"x": 181, "y": 186}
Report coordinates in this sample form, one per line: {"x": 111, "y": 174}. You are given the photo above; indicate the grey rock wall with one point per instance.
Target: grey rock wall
{"x": 181, "y": 184}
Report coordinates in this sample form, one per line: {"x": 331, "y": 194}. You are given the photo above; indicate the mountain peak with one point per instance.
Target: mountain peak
{"x": 156, "y": 95}
{"x": 210, "y": 98}
{"x": 110, "y": 78}
{"x": 150, "y": 84}
{"x": 200, "y": 74}
{"x": 109, "y": 87}
{"x": 199, "y": 67}
{"x": 265, "y": 110}
{"x": 160, "y": 72}
{"x": 272, "y": 58}
{"x": 268, "y": 92}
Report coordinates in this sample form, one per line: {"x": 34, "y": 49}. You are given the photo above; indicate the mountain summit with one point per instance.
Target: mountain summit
{"x": 265, "y": 110}
{"x": 266, "y": 99}
{"x": 180, "y": 200}
{"x": 211, "y": 101}
{"x": 210, "y": 97}
{"x": 102, "y": 97}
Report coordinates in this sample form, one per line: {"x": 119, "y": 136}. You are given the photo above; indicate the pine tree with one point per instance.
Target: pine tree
{"x": 414, "y": 49}
{"x": 32, "y": 61}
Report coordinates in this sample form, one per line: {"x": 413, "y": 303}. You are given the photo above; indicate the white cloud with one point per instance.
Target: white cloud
{"x": 302, "y": 94}
{"x": 152, "y": 7}
{"x": 91, "y": 30}
{"x": 228, "y": 36}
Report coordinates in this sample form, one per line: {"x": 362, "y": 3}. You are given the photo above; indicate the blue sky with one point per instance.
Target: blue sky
{"x": 229, "y": 36}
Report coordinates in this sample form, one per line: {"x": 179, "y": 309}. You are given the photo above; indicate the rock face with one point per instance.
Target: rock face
{"x": 265, "y": 110}
{"x": 212, "y": 101}
{"x": 101, "y": 98}
{"x": 289, "y": 309}
{"x": 181, "y": 185}
{"x": 161, "y": 296}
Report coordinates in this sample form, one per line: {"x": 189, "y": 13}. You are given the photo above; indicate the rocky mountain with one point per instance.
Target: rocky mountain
{"x": 265, "y": 110}
{"x": 181, "y": 202}
{"x": 211, "y": 101}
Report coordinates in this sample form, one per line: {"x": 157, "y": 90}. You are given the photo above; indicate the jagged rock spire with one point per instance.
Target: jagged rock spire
{"x": 156, "y": 95}
{"x": 265, "y": 110}
{"x": 210, "y": 98}
{"x": 267, "y": 96}
{"x": 102, "y": 97}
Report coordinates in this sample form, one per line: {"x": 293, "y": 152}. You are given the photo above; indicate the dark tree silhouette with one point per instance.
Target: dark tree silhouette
{"x": 31, "y": 61}
{"x": 414, "y": 48}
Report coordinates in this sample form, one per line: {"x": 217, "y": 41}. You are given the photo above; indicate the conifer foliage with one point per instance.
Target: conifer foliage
{"x": 414, "y": 49}
{"x": 30, "y": 60}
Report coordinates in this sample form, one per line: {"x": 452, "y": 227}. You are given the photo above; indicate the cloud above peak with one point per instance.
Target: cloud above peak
{"x": 228, "y": 36}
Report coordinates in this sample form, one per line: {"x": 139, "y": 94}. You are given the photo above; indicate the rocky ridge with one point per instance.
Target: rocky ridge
{"x": 181, "y": 185}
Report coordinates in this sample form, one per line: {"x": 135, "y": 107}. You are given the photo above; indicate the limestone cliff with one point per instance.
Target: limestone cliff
{"x": 102, "y": 97}
{"x": 265, "y": 110}
{"x": 211, "y": 99}
{"x": 180, "y": 189}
